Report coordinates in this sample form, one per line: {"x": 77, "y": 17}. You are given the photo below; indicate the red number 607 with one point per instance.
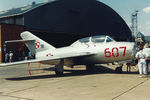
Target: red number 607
{"x": 114, "y": 52}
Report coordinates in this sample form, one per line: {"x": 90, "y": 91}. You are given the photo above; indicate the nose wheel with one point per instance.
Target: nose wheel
{"x": 119, "y": 69}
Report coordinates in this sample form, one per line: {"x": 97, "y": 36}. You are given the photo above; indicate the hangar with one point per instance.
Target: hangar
{"x": 61, "y": 22}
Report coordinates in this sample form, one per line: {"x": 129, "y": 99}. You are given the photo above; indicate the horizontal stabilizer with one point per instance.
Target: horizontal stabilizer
{"x": 14, "y": 41}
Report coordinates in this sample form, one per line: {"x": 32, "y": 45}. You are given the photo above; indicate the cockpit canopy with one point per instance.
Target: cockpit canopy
{"x": 95, "y": 39}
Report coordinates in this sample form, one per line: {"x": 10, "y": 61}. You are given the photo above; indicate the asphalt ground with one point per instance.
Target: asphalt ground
{"x": 76, "y": 84}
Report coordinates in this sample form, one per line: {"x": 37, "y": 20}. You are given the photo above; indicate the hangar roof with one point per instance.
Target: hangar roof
{"x": 20, "y": 10}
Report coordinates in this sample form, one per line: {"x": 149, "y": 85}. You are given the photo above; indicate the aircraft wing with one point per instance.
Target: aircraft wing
{"x": 47, "y": 59}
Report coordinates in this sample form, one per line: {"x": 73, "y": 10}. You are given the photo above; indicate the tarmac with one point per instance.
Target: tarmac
{"x": 76, "y": 84}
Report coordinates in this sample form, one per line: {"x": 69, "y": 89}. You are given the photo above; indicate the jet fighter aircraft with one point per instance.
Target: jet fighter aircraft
{"x": 86, "y": 51}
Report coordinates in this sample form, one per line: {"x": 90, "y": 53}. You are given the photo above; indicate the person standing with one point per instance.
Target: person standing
{"x": 6, "y": 57}
{"x": 10, "y": 56}
{"x": 147, "y": 51}
{"x": 142, "y": 57}
{"x": 29, "y": 55}
{"x": 128, "y": 66}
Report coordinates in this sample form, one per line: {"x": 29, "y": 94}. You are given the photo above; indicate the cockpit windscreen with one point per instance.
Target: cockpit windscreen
{"x": 85, "y": 40}
{"x": 98, "y": 39}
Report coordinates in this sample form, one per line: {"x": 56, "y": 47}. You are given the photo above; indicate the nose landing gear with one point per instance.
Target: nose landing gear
{"x": 119, "y": 69}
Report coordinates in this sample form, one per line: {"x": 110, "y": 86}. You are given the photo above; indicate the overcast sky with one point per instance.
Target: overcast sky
{"x": 123, "y": 7}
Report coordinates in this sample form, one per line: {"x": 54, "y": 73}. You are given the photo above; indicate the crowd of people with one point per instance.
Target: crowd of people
{"x": 9, "y": 56}
{"x": 142, "y": 57}
{"x": 142, "y": 60}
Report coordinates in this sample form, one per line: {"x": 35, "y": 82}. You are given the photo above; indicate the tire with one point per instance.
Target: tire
{"x": 118, "y": 70}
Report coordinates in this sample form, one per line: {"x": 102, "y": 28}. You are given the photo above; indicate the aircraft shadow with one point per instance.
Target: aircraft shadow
{"x": 97, "y": 70}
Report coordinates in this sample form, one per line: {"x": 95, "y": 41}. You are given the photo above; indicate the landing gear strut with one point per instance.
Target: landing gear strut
{"x": 119, "y": 69}
{"x": 59, "y": 69}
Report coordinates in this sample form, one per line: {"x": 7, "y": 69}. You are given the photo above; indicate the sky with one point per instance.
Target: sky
{"x": 123, "y": 7}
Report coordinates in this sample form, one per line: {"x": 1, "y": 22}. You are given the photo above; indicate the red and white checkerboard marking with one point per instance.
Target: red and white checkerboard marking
{"x": 37, "y": 45}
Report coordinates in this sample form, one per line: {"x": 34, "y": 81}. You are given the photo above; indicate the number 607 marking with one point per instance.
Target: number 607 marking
{"x": 114, "y": 52}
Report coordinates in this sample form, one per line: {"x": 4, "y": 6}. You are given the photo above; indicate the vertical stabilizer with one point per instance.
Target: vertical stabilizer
{"x": 38, "y": 45}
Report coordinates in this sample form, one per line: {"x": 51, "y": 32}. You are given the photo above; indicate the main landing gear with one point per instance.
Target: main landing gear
{"x": 119, "y": 69}
{"x": 59, "y": 69}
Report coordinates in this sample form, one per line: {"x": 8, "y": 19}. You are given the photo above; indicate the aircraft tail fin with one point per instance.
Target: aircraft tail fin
{"x": 38, "y": 45}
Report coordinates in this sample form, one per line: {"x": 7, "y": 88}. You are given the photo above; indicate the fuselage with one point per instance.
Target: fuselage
{"x": 106, "y": 52}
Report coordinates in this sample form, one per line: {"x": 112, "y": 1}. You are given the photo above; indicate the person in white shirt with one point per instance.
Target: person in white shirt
{"x": 147, "y": 51}
{"x": 10, "y": 56}
{"x": 142, "y": 56}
